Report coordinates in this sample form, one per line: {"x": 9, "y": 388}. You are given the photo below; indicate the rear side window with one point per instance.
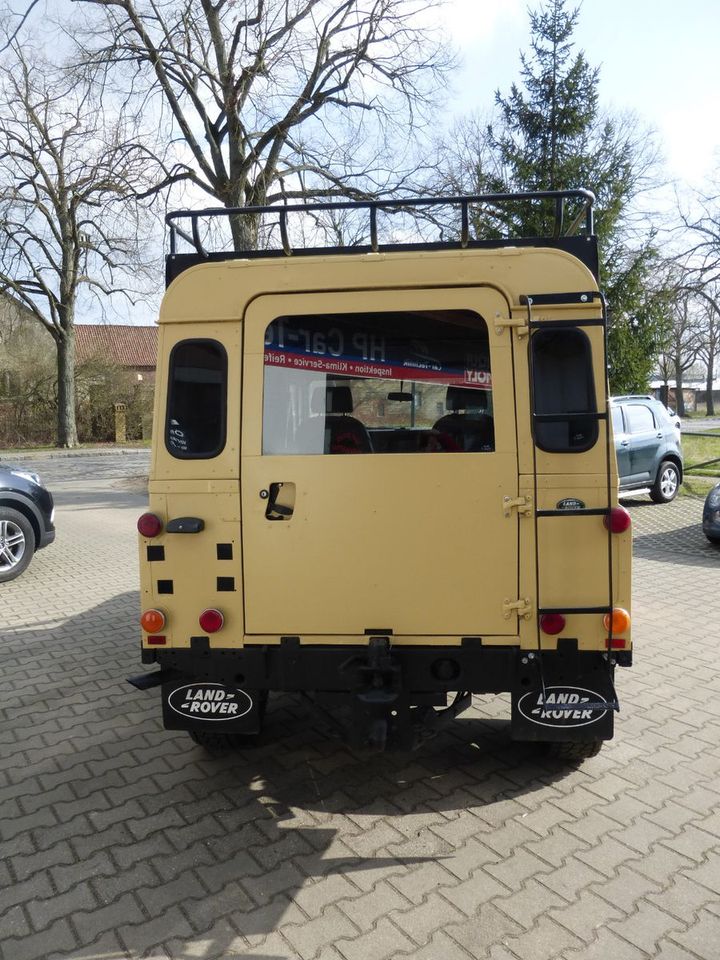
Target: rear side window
{"x": 640, "y": 418}
{"x": 617, "y": 420}
{"x": 195, "y": 427}
{"x": 563, "y": 384}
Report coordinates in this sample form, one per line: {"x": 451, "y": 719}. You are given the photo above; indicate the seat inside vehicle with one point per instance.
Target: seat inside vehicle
{"x": 468, "y": 427}
{"x": 343, "y": 432}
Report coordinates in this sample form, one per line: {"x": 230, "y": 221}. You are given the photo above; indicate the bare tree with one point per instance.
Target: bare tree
{"x": 701, "y": 261}
{"x": 683, "y": 343}
{"x": 273, "y": 100}
{"x": 62, "y": 167}
{"x": 707, "y": 297}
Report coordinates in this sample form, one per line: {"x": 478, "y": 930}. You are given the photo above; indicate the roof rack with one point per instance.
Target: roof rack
{"x": 576, "y": 225}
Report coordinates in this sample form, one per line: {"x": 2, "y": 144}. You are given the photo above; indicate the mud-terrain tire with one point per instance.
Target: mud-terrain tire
{"x": 667, "y": 483}
{"x": 573, "y": 752}
{"x": 223, "y": 742}
{"x": 216, "y": 743}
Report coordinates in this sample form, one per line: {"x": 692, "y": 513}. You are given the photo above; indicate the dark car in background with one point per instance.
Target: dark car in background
{"x": 27, "y": 515}
{"x": 647, "y": 443}
{"x": 711, "y": 515}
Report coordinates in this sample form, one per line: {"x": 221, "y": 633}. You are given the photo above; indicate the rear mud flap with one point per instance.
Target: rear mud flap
{"x": 200, "y": 705}
{"x": 563, "y": 698}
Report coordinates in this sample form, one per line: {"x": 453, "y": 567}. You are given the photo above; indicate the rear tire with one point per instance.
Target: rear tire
{"x": 667, "y": 483}
{"x": 217, "y": 743}
{"x": 573, "y": 752}
{"x": 17, "y": 543}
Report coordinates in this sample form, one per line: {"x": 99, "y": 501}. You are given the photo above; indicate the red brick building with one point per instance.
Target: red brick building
{"x": 132, "y": 348}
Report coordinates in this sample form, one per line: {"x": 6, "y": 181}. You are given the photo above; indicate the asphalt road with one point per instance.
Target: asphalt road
{"x": 121, "y": 840}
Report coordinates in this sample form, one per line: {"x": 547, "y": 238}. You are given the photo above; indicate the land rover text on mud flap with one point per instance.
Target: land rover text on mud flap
{"x": 384, "y": 477}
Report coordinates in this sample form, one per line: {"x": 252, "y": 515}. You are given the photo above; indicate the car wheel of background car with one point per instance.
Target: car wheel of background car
{"x": 667, "y": 483}
{"x": 573, "y": 752}
{"x": 17, "y": 543}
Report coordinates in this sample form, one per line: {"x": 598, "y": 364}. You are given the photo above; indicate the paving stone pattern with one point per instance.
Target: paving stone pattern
{"x": 122, "y": 840}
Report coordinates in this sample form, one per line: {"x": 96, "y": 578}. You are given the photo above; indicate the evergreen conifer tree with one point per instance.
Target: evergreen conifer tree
{"x": 549, "y": 134}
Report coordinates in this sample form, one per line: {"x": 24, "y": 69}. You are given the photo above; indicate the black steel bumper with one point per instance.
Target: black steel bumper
{"x": 559, "y": 695}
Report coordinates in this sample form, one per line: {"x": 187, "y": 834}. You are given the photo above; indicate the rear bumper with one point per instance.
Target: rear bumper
{"x": 559, "y": 695}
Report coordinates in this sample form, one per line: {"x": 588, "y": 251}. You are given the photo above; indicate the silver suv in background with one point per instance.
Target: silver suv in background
{"x": 647, "y": 443}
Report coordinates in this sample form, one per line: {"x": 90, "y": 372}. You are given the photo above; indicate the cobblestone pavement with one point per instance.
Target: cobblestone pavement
{"x": 121, "y": 840}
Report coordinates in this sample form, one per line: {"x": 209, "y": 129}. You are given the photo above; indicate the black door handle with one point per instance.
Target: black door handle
{"x": 285, "y": 494}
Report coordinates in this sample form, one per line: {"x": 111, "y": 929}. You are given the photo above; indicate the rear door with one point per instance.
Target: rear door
{"x": 622, "y": 443}
{"x": 645, "y": 438}
{"x": 378, "y": 443}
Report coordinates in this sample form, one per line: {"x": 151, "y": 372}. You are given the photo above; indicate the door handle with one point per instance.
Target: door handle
{"x": 280, "y": 499}
{"x": 624, "y": 443}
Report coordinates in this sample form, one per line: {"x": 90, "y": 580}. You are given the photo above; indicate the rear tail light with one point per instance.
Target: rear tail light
{"x": 618, "y": 520}
{"x": 152, "y": 621}
{"x": 617, "y": 643}
{"x": 618, "y": 621}
{"x": 149, "y": 525}
{"x": 552, "y": 623}
{"x": 157, "y": 640}
{"x": 211, "y": 620}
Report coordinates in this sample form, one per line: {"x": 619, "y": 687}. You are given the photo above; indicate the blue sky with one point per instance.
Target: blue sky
{"x": 658, "y": 59}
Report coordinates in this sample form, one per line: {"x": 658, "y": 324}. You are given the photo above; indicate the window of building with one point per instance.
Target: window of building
{"x": 195, "y": 426}
{"x": 411, "y": 382}
{"x": 563, "y": 384}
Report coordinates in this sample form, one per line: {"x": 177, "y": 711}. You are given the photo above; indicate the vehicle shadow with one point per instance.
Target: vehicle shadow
{"x": 685, "y": 545}
{"x": 216, "y": 851}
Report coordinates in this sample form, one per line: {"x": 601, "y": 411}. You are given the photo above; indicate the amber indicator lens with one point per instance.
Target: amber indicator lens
{"x": 211, "y": 620}
{"x": 552, "y": 623}
{"x": 618, "y": 520}
{"x": 149, "y": 525}
{"x": 152, "y": 621}
{"x": 618, "y": 621}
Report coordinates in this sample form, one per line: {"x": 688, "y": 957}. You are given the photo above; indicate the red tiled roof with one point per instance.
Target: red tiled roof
{"x": 123, "y": 344}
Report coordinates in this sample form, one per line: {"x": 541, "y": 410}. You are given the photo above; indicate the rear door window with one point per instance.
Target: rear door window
{"x": 640, "y": 418}
{"x": 617, "y": 420}
{"x": 391, "y": 382}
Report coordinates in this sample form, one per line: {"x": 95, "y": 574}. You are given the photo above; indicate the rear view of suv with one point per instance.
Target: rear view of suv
{"x": 647, "y": 444}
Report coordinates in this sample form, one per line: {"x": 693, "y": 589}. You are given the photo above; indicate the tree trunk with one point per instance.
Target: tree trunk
{"x": 66, "y": 426}
{"x": 710, "y": 411}
{"x": 244, "y": 229}
{"x": 679, "y": 402}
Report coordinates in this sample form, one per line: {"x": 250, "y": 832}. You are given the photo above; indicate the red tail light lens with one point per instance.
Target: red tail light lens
{"x": 149, "y": 525}
{"x": 552, "y": 623}
{"x": 617, "y": 643}
{"x": 618, "y": 520}
{"x": 211, "y": 621}
{"x": 152, "y": 621}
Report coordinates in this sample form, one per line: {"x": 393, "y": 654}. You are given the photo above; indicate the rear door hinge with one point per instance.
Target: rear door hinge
{"x": 521, "y": 608}
{"x": 520, "y": 325}
{"x": 523, "y": 505}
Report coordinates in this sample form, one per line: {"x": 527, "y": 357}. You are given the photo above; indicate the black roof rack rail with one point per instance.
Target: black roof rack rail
{"x": 574, "y": 237}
